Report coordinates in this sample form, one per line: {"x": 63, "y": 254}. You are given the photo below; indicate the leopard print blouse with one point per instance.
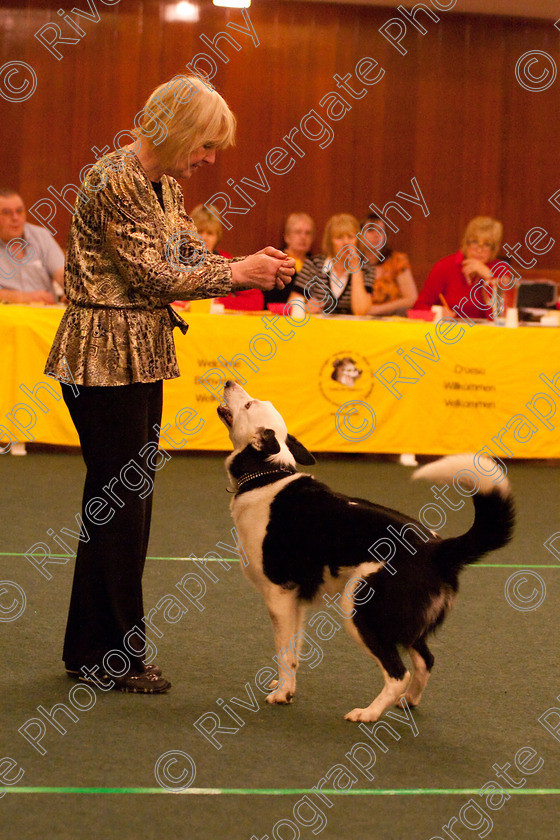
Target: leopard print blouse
{"x": 127, "y": 261}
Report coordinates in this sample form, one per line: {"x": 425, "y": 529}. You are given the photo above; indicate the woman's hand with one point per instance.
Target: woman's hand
{"x": 472, "y": 268}
{"x": 267, "y": 269}
{"x": 360, "y": 298}
{"x": 286, "y": 269}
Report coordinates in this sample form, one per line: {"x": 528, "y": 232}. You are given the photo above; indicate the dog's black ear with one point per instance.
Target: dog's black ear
{"x": 299, "y": 451}
{"x": 266, "y": 442}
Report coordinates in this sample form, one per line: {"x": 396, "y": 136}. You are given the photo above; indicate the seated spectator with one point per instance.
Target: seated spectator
{"x": 394, "y": 289}
{"x": 335, "y": 281}
{"x": 299, "y": 233}
{"x": 32, "y": 266}
{"x": 454, "y": 281}
{"x": 209, "y": 226}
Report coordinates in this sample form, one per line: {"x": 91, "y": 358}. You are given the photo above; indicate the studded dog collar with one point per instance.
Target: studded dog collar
{"x": 255, "y": 476}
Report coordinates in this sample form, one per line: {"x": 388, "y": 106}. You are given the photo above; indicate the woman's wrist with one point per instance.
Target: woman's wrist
{"x": 238, "y": 280}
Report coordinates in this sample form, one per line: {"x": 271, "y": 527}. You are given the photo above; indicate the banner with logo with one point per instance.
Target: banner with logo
{"x": 342, "y": 384}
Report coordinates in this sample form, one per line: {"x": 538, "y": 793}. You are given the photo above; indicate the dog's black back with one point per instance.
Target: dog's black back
{"x": 311, "y": 527}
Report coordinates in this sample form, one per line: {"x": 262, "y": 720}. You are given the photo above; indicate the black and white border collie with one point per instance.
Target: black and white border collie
{"x": 303, "y": 541}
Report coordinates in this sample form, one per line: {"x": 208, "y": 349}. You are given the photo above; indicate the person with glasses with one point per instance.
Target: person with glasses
{"x": 31, "y": 261}
{"x": 454, "y": 281}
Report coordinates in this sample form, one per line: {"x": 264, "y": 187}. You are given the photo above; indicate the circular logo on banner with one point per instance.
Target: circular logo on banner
{"x": 345, "y": 376}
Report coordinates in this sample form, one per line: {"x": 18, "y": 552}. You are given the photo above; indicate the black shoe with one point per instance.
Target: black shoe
{"x": 146, "y": 683}
{"x": 131, "y": 683}
{"x": 75, "y": 673}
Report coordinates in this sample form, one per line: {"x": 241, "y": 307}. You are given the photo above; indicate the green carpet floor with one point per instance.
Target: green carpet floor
{"x": 496, "y": 673}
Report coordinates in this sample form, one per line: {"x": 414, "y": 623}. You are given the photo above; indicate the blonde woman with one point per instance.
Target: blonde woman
{"x": 335, "y": 282}
{"x": 209, "y": 227}
{"x": 132, "y": 250}
{"x": 452, "y": 281}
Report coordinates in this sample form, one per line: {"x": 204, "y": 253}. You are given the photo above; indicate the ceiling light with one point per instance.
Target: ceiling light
{"x": 183, "y": 11}
{"x": 233, "y": 4}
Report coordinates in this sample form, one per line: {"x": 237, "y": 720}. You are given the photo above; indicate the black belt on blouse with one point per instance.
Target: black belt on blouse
{"x": 176, "y": 320}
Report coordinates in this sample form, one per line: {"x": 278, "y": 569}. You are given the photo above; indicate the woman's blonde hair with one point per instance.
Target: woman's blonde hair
{"x": 338, "y": 226}
{"x": 207, "y": 218}
{"x": 182, "y": 115}
{"x": 487, "y": 229}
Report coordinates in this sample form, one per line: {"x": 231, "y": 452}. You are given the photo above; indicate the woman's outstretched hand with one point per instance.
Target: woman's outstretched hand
{"x": 265, "y": 270}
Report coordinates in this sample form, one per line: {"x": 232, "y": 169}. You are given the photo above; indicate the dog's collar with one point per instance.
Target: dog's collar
{"x": 260, "y": 479}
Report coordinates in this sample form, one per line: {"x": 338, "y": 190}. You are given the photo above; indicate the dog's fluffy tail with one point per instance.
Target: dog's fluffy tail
{"x": 493, "y": 506}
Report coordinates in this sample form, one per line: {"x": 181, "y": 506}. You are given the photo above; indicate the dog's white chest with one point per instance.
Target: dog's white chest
{"x": 251, "y": 514}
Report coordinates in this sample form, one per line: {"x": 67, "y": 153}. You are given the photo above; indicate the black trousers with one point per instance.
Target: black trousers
{"x": 114, "y": 424}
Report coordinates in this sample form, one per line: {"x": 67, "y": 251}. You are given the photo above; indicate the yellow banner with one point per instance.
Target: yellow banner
{"x": 343, "y": 385}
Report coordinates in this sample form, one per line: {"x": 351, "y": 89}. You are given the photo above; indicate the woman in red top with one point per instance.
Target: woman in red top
{"x": 454, "y": 281}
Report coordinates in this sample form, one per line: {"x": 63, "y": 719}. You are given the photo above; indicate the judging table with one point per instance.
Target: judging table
{"x": 342, "y": 384}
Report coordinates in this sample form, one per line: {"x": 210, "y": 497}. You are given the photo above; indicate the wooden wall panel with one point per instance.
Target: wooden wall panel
{"x": 449, "y": 113}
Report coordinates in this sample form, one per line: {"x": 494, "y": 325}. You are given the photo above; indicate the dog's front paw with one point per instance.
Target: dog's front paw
{"x": 365, "y": 715}
{"x": 273, "y": 684}
{"x": 282, "y": 697}
{"x": 411, "y": 701}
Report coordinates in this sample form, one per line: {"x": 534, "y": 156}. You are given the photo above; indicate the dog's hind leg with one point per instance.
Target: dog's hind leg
{"x": 423, "y": 661}
{"x": 286, "y": 613}
{"x": 396, "y": 679}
